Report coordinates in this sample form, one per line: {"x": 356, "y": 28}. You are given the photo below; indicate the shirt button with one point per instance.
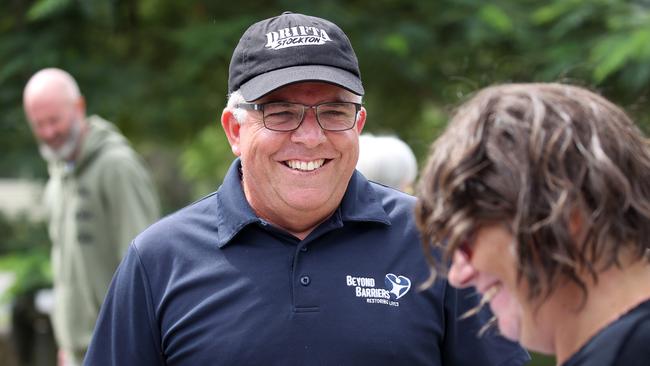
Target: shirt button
{"x": 303, "y": 249}
{"x": 305, "y": 280}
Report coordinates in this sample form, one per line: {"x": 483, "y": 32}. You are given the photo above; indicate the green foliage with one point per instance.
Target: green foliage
{"x": 20, "y": 234}
{"x": 541, "y": 360}
{"x": 206, "y": 161}
{"x": 158, "y": 69}
{"x": 46, "y": 8}
{"x": 24, "y": 250}
{"x": 32, "y": 271}
{"x": 496, "y": 18}
{"x": 616, "y": 50}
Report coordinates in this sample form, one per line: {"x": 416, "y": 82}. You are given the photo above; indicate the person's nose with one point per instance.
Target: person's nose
{"x": 461, "y": 273}
{"x": 47, "y": 133}
{"x": 309, "y": 133}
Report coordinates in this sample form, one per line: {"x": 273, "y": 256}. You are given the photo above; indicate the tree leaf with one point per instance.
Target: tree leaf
{"x": 496, "y": 18}
{"x": 43, "y": 9}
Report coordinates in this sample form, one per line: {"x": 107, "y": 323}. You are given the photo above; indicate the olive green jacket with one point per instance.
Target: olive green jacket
{"x": 96, "y": 206}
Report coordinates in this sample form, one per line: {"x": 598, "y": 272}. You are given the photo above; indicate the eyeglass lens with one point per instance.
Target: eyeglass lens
{"x": 288, "y": 116}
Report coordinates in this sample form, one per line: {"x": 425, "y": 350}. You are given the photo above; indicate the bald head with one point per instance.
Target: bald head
{"x": 55, "y": 110}
{"x": 49, "y": 83}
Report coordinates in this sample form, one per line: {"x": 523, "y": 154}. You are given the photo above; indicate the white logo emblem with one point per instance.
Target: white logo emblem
{"x": 296, "y": 36}
{"x": 397, "y": 285}
{"x": 394, "y": 288}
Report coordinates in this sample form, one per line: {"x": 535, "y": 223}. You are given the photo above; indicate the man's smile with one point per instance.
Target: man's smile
{"x": 305, "y": 166}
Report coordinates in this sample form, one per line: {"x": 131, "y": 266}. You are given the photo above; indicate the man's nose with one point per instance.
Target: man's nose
{"x": 47, "y": 132}
{"x": 51, "y": 133}
{"x": 309, "y": 132}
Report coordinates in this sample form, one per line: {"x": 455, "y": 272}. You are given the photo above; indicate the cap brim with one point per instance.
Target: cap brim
{"x": 263, "y": 84}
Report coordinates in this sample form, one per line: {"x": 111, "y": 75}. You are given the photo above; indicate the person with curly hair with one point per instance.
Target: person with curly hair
{"x": 539, "y": 195}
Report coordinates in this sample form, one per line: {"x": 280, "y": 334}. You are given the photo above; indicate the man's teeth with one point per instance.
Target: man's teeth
{"x": 304, "y": 165}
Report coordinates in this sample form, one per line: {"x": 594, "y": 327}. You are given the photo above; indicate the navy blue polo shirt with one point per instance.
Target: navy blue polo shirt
{"x": 213, "y": 284}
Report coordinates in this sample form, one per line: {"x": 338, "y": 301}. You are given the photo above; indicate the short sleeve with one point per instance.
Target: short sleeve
{"x": 126, "y": 333}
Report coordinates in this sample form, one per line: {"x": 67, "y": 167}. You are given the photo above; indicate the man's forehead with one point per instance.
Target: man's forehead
{"x": 44, "y": 92}
{"x": 48, "y": 99}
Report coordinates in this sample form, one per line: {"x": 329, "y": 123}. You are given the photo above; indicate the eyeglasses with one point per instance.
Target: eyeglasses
{"x": 284, "y": 116}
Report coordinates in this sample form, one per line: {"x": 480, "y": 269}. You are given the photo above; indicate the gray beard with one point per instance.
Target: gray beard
{"x": 64, "y": 152}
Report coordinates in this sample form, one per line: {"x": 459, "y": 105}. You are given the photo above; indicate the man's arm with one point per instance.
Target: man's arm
{"x": 131, "y": 197}
{"x": 126, "y": 332}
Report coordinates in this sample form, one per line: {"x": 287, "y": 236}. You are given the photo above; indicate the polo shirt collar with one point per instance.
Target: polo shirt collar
{"x": 360, "y": 203}
{"x": 233, "y": 210}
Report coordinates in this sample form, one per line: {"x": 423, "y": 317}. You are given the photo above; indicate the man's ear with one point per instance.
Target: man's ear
{"x": 361, "y": 120}
{"x": 231, "y": 127}
{"x": 80, "y": 107}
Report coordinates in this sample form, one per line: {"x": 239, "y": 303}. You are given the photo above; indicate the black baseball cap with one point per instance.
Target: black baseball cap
{"x": 291, "y": 48}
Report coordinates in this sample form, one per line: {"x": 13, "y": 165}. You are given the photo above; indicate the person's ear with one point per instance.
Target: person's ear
{"x": 81, "y": 104}
{"x": 576, "y": 225}
{"x": 80, "y": 107}
{"x": 361, "y": 120}
{"x": 231, "y": 127}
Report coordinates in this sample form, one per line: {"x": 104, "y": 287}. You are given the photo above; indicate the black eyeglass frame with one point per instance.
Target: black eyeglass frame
{"x": 260, "y": 107}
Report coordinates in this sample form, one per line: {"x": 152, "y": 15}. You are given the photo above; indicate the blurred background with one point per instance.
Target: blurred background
{"x": 158, "y": 69}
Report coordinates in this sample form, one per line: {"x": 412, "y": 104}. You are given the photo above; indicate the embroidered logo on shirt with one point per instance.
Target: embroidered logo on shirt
{"x": 365, "y": 287}
{"x": 397, "y": 285}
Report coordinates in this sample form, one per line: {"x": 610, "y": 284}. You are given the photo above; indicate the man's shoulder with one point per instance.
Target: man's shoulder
{"x": 114, "y": 158}
{"x": 107, "y": 141}
{"x": 386, "y": 191}
{"x": 176, "y": 228}
{"x": 392, "y": 199}
{"x": 116, "y": 151}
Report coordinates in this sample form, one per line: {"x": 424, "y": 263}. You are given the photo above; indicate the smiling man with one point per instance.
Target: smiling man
{"x": 296, "y": 259}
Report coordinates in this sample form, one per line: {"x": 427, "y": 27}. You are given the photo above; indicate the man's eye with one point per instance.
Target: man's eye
{"x": 281, "y": 114}
{"x": 333, "y": 112}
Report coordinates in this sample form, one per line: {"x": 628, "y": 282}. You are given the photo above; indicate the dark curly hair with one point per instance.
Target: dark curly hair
{"x": 533, "y": 155}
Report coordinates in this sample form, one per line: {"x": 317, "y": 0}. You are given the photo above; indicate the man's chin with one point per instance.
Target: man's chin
{"x": 51, "y": 155}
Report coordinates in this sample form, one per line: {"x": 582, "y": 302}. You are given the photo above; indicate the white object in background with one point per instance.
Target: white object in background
{"x": 22, "y": 197}
{"x": 44, "y": 301}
